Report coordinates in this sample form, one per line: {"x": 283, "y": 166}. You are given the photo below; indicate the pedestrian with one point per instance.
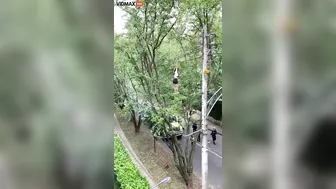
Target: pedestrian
{"x": 194, "y": 126}
{"x": 213, "y": 134}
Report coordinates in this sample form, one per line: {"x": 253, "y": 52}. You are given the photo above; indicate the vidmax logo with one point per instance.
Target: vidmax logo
{"x": 126, "y": 3}
{"x": 138, "y": 3}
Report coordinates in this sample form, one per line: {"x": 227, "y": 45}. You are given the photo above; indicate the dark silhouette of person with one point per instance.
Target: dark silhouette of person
{"x": 175, "y": 81}
{"x": 213, "y": 134}
{"x": 194, "y": 126}
{"x": 199, "y": 137}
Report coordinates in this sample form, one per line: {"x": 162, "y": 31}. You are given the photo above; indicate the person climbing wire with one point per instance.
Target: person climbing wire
{"x": 213, "y": 134}
{"x": 175, "y": 80}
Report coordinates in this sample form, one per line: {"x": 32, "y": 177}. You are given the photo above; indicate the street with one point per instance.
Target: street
{"x": 214, "y": 156}
{"x": 215, "y": 160}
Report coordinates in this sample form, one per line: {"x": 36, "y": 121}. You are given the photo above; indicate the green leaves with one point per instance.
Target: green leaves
{"x": 128, "y": 175}
{"x": 159, "y": 37}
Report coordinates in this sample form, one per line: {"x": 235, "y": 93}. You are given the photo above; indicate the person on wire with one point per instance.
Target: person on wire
{"x": 175, "y": 80}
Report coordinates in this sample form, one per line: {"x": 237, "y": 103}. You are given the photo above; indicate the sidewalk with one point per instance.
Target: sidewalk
{"x": 131, "y": 153}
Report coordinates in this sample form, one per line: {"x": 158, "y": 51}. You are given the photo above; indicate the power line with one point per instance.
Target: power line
{"x": 187, "y": 54}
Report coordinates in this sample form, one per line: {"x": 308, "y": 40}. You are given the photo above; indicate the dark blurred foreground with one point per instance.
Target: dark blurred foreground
{"x": 56, "y": 99}
{"x": 56, "y": 94}
{"x": 247, "y": 84}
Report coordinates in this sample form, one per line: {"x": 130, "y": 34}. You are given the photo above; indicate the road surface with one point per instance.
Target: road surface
{"x": 215, "y": 162}
{"x": 214, "y": 158}
{"x": 215, "y": 170}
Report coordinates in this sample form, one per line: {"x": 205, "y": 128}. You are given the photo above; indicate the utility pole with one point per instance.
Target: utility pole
{"x": 204, "y": 112}
{"x": 281, "y": 97}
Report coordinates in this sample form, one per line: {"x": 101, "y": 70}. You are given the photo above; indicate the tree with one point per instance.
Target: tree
{"x": 209, "y": 13}
{"x": 147, "y": 55}
{"x": 126, "y": 96}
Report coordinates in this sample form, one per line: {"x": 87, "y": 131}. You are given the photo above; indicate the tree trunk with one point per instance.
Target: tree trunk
{"x": 136, "y": 128}
{"x": 136, "y": 122}
{"x": 189, "y": 183}
{"x": 139, "y": 121}
{"x": 154, "y": 144}
{"x": 181, "y": 162}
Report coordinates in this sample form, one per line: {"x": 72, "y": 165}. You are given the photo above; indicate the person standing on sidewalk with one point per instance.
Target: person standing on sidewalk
{"x": 194, "y": 126}
{"x": 213, "y": 134}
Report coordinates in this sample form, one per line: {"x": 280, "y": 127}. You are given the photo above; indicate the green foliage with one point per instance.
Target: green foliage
{"x": 161, "y": 36}
{"x": 128, "y": 175}
{"x": 147, "y": 70}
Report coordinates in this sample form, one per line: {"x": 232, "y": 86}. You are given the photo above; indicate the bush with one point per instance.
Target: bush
{"x": 127, "y": 174}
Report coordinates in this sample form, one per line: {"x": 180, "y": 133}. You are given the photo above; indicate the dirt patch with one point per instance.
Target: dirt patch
{"x": 155, "y": 162}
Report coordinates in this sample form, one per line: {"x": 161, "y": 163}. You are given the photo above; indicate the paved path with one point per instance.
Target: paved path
{"x": 214, "y": 167}
{"x": 214, "y": 157}
{"x": 215, "y": 161}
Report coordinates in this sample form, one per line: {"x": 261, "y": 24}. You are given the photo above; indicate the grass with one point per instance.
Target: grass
{"x": 128, "y": 175}
{"x": 142, "y": 144}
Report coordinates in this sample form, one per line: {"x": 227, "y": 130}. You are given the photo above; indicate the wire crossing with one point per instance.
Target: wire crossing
{"x": 212, "y": 101}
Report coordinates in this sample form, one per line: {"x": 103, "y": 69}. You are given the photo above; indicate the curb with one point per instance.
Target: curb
{"x": 144, "y": 172}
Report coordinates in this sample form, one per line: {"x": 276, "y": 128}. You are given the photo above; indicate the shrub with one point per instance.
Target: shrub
{"x": 127, "y": 174}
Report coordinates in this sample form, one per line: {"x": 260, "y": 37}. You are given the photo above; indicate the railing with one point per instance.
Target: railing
{"x": 212, "y": 101}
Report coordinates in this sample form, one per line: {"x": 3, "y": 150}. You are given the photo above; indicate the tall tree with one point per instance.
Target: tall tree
{"x": 148, "y": 52}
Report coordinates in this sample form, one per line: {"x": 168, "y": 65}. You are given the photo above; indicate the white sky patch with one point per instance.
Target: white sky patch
{"x": 119, "y": 21}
